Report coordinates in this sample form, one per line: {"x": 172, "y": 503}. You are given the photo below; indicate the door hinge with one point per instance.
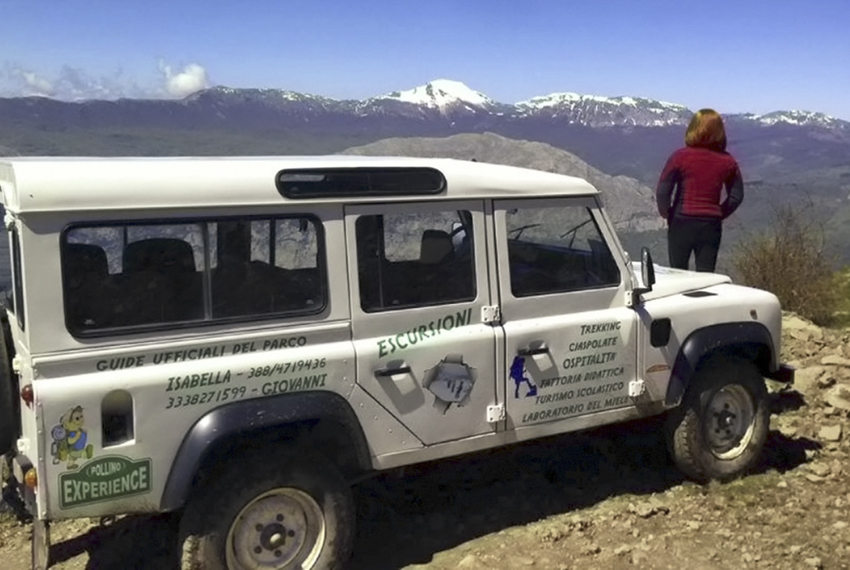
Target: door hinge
{"x": 491, "y": 314}
{"x": 636, "y": 388}
{"x": 495, "y": 413}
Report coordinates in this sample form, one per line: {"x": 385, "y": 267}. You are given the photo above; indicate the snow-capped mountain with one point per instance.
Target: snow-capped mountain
{"x": 794, "y": 117}
{"x": 599, "y": 111}
{"x": 221, "y": 95}
{"x": 442, "y": 94}
{"x": 452, "y": 100}
{"x": 439, "y": 102}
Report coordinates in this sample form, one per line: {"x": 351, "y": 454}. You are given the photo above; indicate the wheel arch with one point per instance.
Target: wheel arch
{"x": 750, "y": 341}
{"x": 314, "y": 419}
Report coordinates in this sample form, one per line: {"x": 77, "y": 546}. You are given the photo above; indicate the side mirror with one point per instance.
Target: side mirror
{"x": 647, "y": 273}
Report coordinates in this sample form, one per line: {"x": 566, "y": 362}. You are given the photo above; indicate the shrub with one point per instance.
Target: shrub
{"x": 842, "y": 286}
{"x": 788, "y": 259}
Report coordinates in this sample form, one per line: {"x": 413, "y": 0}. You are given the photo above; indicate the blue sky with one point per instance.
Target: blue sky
{"x": 735, "y": 56}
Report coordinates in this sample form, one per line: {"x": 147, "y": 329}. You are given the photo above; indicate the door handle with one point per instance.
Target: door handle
{"x": 534, "y": 348}
{"x": 386, "y": 372}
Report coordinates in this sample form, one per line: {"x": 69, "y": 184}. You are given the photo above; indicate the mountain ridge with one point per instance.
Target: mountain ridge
{"x": 451, "y": 95}
{"x": 626, "y": 135}
{"x": 451, "y": 98}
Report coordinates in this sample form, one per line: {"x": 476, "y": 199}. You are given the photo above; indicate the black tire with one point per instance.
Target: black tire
{"x": 250, "y": 505}
{"x": 719, "y": 430}
{"x": 9, "y": 425}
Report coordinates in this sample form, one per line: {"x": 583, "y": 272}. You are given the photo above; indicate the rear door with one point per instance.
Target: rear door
{"x": 570, "y": 338}
{"x": 419, "y": 283}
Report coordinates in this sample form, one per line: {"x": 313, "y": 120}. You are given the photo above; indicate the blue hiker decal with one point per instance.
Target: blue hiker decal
{"x": 519, "y": 377}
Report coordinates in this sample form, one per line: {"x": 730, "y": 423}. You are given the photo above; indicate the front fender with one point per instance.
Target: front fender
{"x": 241, "y": 418}
{"x": 747, "y": 340}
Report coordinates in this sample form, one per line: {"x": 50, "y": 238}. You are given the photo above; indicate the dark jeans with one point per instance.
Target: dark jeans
{"x": 702, "y": 237}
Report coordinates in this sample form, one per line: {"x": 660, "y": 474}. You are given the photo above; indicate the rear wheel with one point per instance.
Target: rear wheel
{"x": 269, "y": 513}
{"x": 721, "y": 426}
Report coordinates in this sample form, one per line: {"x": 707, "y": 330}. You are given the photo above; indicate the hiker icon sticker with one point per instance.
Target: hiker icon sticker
{"x": 519, "y": 374}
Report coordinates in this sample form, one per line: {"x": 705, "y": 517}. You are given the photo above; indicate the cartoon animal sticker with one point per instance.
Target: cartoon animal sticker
{"x": 70, "y": 439}
{"x": 519, "y": 377}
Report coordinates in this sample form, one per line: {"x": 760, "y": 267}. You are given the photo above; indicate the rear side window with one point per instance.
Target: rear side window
{"x": 6, "y": 270}
{"x": 17, "y": 279}
{"x": 6, "y": 264}
{"x": 178, "y": 274}
{"x": 275, "y": 270}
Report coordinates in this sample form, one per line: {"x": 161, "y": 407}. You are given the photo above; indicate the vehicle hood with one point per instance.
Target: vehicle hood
{"x": 670, "y": 281}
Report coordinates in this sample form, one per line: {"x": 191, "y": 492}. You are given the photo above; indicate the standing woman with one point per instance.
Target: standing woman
{"x": 689, "y": 192}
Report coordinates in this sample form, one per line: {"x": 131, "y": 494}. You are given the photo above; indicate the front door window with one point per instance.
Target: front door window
{"x": 557, "y": 250}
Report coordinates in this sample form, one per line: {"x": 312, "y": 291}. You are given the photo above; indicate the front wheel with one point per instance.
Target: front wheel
{"x": 721, "y": 426}
{"x": 270, "y": 513}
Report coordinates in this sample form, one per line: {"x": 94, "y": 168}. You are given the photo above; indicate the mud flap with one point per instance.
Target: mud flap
{"x": 40, "y": 544}
{"x": 784, "y": 374}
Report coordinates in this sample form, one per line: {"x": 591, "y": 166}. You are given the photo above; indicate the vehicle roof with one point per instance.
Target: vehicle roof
{"x": 44, "y": 184}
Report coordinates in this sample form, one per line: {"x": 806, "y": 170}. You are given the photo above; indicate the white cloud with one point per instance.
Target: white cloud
{"x": 38, "y": 85}
{"x": 25, "y": 82}
{"x": 181, "y": 83}
{"x": 74, "y": 84}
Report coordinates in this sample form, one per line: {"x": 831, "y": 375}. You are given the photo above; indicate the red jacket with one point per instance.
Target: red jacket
{"x": 691, "y": 183}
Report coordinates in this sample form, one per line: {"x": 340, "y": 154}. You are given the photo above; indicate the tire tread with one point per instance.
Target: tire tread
{"x": 685, "y": 438}
{"x": 206, "y": 519}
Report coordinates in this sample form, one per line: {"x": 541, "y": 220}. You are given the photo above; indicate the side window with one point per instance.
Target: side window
{"x": 266, "y": 267}
{"x": 415, "y": 259}
{"x": 6, "y": 283}
{"x": 556, "y": 250}
{"x": 18, "y": 282}
{"x": 163, "y": 274}
{"x": 133, "y": 275}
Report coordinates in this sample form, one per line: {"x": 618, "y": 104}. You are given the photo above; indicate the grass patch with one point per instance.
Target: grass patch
{"x": 841, "y": 317}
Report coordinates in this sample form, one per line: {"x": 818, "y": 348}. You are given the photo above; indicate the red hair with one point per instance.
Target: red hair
{"x": 706, "y": 131}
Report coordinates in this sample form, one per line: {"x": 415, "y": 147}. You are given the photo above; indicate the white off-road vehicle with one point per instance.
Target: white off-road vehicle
{"x": 237, "y": 340}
